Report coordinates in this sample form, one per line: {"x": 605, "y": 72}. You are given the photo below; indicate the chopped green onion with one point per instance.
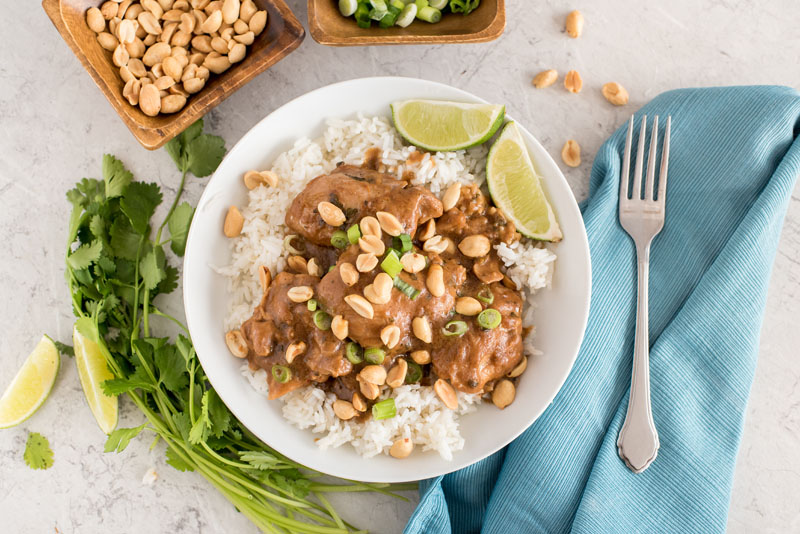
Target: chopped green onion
{"x": 388, "y": 19}
{"x": 384, "y": 409}
{"x": 405, "y": 288}
{"x": 429, "y": 14}
{"x": 420, "y": 4}
{"x": 378, "y": 14}
{"x": 312, "y": 304}
{"x": 438, "y": 4}
{"x": 281, "y": 373}
{"x": 464, "y": 6}
{"x": 353, "y": 234}
{"x": 322, "y": 320}
{"x": 378, "y": 4}
{"x": 399, "y": 4}
{"x": 354, "y": 353}
{"x": 339, "y": 239}
{"x": 348, "y": 7}
{"x": 402, "y": 243}
{"x": 362, "y": 16}
{"x": 391, "y": 264}
{"x": 414, "y": 373}
{"x": 287, "y": 244}
{"x": 407, "y": 16}
{"x": 374, "y": 355}
{"x": 455, "y": 328}
{"x": 489, "y": 318}
{"x": 485, "y": 295}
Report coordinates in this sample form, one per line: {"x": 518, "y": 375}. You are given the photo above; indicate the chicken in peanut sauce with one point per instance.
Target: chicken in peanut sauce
{"x": 390, "y": 286}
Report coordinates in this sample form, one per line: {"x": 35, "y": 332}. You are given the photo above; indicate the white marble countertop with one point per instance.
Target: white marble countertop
{"x": 55, "y": 125}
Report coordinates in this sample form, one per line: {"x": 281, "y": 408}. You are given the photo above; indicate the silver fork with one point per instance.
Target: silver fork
{"x": 643, "y": 219}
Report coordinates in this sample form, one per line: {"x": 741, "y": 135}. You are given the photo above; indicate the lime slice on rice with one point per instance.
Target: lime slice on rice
{"x": 93, "y": 371}
{"x": 440, "y": 126}
{"x": 516, "y": 188}
{"x": 32, "y": 384}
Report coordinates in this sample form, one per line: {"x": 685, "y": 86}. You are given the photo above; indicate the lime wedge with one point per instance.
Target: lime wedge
{"x": 32, "y": 385}
{"x": 516, "y": 188}
{"x": 439, "y": 126}
{"x": 92, "y": 370}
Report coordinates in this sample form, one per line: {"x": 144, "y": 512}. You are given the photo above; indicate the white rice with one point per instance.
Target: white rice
{"x": 421, "y": 416}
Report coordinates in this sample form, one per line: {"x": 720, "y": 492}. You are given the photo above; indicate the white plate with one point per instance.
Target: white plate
{"x": 560, "y": 319}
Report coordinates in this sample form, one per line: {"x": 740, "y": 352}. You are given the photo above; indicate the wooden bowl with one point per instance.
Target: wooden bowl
{"x": 329, "y": 27}
{"x": 282, "y": 35}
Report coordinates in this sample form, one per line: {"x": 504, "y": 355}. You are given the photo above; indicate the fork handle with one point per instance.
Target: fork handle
{"x": 638, "y": 440}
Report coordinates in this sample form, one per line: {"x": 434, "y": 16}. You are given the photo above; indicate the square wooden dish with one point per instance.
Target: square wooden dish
{"x": 329, "y": 27}
{"x": 282, "y": 35}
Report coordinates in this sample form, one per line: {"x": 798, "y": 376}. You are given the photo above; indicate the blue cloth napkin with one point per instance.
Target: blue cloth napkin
{"x": 734, "y": 159}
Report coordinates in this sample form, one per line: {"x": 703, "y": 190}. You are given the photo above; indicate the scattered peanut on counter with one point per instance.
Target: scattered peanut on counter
{"x": 571, "y": 153}
{"x": 573, "y": 82}
{"x": 546, "y": 78}
{"x": 574, "y": 24}
{"x": 166, "y": 50}
{"x": 615, "y": 93}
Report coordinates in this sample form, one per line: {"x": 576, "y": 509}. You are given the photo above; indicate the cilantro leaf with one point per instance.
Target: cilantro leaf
{"x": 38, "y": 454}
{"x": 260, "y": 460}
{"x": 171, "y": 368}
{"x": 170, "y": 280}
{"x": 84, "y": 255}
{"x": 218, "y": 414}
{"x": 182, "y": 423}
{"x": 176, "y": 461}
{"x": 115, "y": 176}
{"x": 124, "y": 241}
{"x": 64, "y": 349}
{"x": 176, "y": 147}
{"x": 137, "y": 380}
{"x": 185, "y": 347}
{"x": 119, "y": 439}
{"x": 178, "y": 224}
{"x": 151, "y": 267}
{"x": 139, "y": 202}
{"x": 204, "y": 154}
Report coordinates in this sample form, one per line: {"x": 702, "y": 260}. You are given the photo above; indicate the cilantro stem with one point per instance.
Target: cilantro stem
{"x": 158, "y": 312}
{"x": 177, "y": 199}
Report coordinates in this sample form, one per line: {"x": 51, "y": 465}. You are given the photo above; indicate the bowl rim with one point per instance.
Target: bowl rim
{"x": 194, "y": 241}
{"x": 490, "y": 33}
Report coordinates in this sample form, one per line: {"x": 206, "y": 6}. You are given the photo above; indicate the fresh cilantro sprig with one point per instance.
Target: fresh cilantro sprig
{"x": 117, "y": 266}
{"x": 38, "y": 454}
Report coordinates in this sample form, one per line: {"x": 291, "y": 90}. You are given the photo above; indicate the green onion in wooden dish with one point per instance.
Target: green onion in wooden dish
{"x": 401, "y": 13}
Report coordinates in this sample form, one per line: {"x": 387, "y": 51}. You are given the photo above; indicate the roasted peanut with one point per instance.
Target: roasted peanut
{"x": 264, "y": 276}
{"x": 546, "y": 78}
{"x": 360, "y": 305}
{"x": 615, "y": 93}
{"x": 435, "y": 280}
{"x": 503, "y": 393}
{"x": 468, "y": 306}
{"x": 172, "y": 103}
{"x": 401, "y": 448}
{"x": 475, "y": 246}
{"x": 372, "y": 245}
{"x": 348, "y": 273}
{"x": 446, "y": 393}
{"x": 314, "y": 268}
{"x": 236, "y": 53}
{"x": 236, "y": 343}
{"x": 258, "y": 21}
{"x": 298, "y": 264}
{"x": 230, "y": 11}
{"x": 294, "y": 350}
{"x": 358, "y": 402}
{"x": 390, "y": 335}
{"x": 369, "y": 390}
{"x": 331, "y": 214}
{"x": 571, "y": 153}
{"x": 389, "y": 223}
{"x": 421, "y": 357}
{"x": 370, "y": 226}
{"x": 436, "y": 244}
{"x": 573, "y": 82}
{"x": 413, "y": 262}
{"x": 95, "y": 20}
{"x": 340, "y": 327}
{"x": 451, "y": 196}
{"x": 396, "y": 376}
{"x": 422, "y": 329}
{"x": 342, "y": 408}
{"x": 574, "y": 24}
{"x": 374, "y": 374}
{"x": 366, "y": 262}
{"x": 300, "y": 294}
{"x": 107, "y": 41}
{"x": 150, "y": 104}
{"x": 520, "y": 368}
{"x": 427, "y": 230}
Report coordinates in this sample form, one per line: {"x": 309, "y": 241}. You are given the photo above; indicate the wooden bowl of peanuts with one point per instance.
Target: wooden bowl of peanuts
{"x": 163, "y": 64}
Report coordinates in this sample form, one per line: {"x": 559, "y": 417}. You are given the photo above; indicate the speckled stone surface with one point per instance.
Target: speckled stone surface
{"x": 55, "y": 125}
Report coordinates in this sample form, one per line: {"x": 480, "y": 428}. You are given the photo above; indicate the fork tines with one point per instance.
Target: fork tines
{"x": 649, "y": 190}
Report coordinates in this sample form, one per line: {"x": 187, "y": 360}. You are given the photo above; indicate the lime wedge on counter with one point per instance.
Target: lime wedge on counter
{"x": 32, "y": 385}
{"x": 516, "y": 188}
{"x": 440, "y": 126}
{"x": 92, "y": 370}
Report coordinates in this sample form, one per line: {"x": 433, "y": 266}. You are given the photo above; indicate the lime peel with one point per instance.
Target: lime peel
{"x": 516, "y": 188}
{"x": 442, "y": 126}
{"x": 32, "y": 384}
